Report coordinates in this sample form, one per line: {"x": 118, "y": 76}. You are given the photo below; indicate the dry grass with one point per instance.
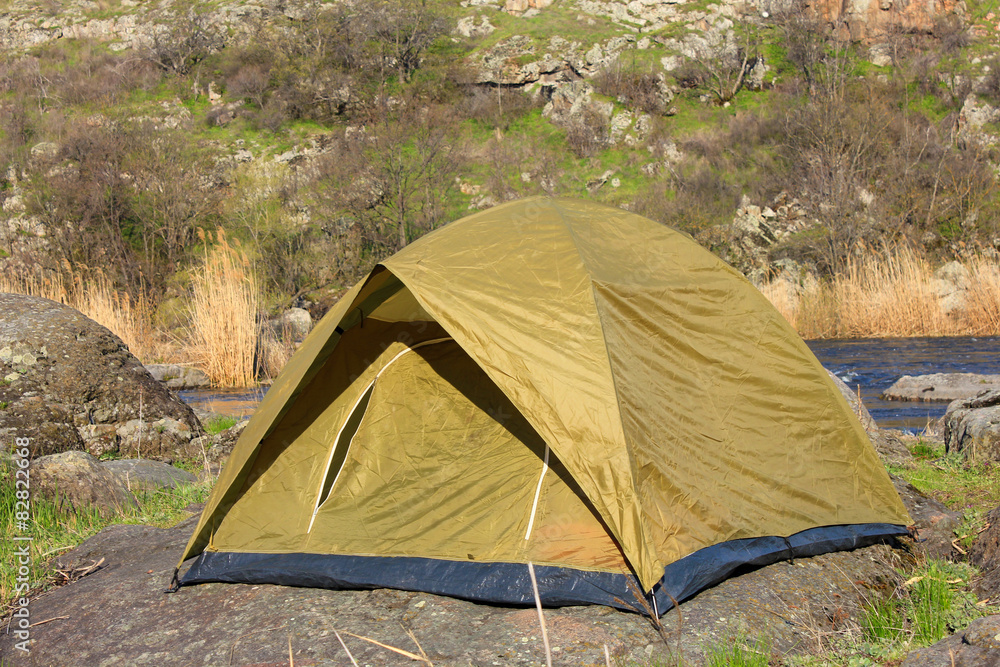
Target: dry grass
{"x": 224, "y": 306}
{"x": 983, "y": 297}
{"x": 273, "y": 352}
{"x": 93, "y": 294}
{"x": 890, "y": 294}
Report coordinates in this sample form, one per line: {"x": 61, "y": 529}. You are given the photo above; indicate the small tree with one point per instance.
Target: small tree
{"x": 727, "y": 62}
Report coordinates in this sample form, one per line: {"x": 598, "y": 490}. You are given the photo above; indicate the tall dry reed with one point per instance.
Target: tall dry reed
{"x": 982, "y": 310}
{"x": 224, "y": 306}
{"x": 891, "y": 294}
{"x": 93, "y": 293}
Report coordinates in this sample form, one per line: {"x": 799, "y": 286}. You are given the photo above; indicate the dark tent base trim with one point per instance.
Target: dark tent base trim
{"x": 510, "y": 583}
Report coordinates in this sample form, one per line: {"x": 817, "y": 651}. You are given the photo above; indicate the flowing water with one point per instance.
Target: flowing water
{"x": 872, "y": 364}
{"x": 875, "y": 364}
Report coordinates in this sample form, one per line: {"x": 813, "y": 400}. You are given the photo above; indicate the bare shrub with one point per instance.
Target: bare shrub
{"x": 496, "y": 106}
{"x": 726, "y": 63}
{"x": 692, "y": 198}
{"x": 251, "y": 82}
{"x": 184, "y": 42}
{"x": 991, "y": 81}
{"x": 952, "y": 32}
{"x": 640, "y": 87}
{"x": 587, "y": 133}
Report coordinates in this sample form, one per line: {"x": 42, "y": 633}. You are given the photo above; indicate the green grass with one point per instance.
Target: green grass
{"x": 739, "y": 650}
{"x": 219, "y": 424}
{"x": 970, "y": 488}
{"x": 55, "y": 530}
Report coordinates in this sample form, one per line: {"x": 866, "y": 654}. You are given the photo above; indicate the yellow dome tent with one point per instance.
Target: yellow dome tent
{"x": 554, "y": 382}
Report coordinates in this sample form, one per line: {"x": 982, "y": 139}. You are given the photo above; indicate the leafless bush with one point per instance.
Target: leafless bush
{"x": 640, "y": 87}
{"x": 183, "y": 43}
{"x": 250, "y": 82}
{"x": 496, "y": 106}
{"x": 691, "y": 198}
{"x": 587, "y": 133}
{"x": 952, "y": 32}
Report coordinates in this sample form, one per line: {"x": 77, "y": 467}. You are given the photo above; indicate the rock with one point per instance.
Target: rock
{"x": 62, "y": 371}
{"x": 974, "y": 115}
{"x": 176, "y": 376}
{"x": 866, "y": 19}
{"x": 940, "y": 387}
{"x": 976, "y": 646}
{"x": 934, "y": 523}
{"x": 888, "y": 444}
{"x": 294, "y": 324}
{"x": 163, "y": 439}
{"x": 119, "y": 615}
{"x": 77, "y": 480}
{"x": 467, "y": 27}
{"x": 857, "y": 407}
{"x": 99, "y": 439}
{"x": 215, "y": 448}
{"x": 985, "y": 554}
{"x": 972, "y": 426}
{"x": 146, "y": 475}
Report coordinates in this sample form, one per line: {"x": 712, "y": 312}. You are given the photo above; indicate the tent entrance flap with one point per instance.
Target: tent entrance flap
{"x": 338, "y": 453}
{"x": 342, "y": 443}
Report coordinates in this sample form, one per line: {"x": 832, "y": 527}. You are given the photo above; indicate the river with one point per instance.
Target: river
{"x": 874, "y": 364}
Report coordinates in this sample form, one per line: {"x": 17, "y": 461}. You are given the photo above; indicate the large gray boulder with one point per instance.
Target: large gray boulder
{"x": 940, "y": 387}
{"x": 972, "y": 427}
{"x": 76, "y": 481}
{"x": 63, "y": 377}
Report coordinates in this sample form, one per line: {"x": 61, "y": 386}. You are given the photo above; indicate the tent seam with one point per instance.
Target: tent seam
{"x": 607, "y": 355}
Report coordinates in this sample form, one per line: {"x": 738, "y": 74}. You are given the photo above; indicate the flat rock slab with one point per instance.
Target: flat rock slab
{"x": 940, "y": 387}
{"x": 119, "y": 615}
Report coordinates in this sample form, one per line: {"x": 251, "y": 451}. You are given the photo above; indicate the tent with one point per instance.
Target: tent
{"x": 553, "y": 382}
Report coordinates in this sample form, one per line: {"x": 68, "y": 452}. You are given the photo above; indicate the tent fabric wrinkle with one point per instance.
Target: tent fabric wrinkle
{"x": 550, "y": 381}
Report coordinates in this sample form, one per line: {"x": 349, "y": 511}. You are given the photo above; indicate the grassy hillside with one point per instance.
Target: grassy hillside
{"x": 322, "y": 137}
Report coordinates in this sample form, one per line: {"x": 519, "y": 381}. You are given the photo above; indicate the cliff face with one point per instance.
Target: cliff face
{"x": 872, "y": 20}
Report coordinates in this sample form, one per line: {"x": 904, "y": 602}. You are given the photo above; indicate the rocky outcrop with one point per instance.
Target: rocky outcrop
{"x": 747, "y": 242}
{"x": 976, "y": 646}
{"x": 972, "y": 427}
{"x": 293, "y": 324}
{"x": 872, "y": 19}
{"x": 119, "y": 614}
{"x": 67, "y": 383}
{"x": 215, "y": 448}
{"x": 940, "y": 387}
